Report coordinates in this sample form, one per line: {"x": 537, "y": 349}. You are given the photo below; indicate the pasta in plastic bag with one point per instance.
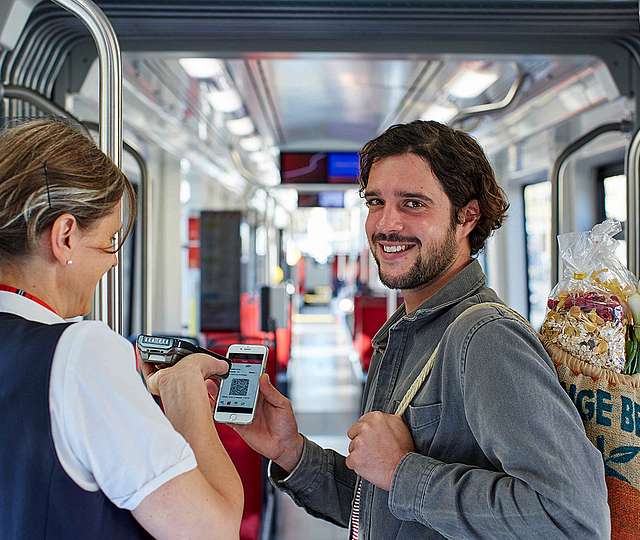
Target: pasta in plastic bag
{"x": 588, "y": 312}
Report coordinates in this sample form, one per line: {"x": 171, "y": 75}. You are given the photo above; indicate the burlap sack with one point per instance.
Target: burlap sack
{"x": 609, "y": 404}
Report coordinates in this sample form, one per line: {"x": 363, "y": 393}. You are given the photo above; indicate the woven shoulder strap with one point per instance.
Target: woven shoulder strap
{"x": 426, "y": 370}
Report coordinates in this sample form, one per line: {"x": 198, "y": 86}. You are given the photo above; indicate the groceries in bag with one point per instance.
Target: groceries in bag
{"x": 590, "y": 311}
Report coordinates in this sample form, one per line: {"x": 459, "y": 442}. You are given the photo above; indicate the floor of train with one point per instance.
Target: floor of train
{"x": 325, "y": 390}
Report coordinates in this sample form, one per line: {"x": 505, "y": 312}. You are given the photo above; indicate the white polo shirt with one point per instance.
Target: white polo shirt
{"x": 108, "y": 432}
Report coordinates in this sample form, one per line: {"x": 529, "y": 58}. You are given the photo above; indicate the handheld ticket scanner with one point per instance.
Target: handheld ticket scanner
{"x": 167, "y": 351}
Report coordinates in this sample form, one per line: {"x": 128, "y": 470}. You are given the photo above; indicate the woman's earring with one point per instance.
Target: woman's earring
{"x": 69, "y": 262}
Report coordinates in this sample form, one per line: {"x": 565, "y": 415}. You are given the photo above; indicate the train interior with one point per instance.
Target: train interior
{"x": 226, "y": 103}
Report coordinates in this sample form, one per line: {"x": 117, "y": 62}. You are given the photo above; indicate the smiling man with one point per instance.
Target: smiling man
{"x": 412, "y": 226}
{"x": 491, "y": 446}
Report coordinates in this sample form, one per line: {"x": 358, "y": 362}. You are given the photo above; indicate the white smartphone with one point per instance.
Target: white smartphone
{"x": 238, "y": 393}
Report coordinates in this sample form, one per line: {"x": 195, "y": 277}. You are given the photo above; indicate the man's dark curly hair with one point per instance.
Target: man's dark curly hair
{"x": 456, "y": 160}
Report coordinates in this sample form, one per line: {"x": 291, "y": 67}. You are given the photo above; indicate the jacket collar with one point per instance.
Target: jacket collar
{"x": 462, "y": 285}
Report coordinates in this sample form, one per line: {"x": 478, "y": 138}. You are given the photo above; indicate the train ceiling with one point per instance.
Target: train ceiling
{"x": 318, "y": 73}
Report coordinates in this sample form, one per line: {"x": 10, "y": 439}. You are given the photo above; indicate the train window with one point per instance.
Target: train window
{"x": 537, "y": 222}
{"x": 614, "y": 195}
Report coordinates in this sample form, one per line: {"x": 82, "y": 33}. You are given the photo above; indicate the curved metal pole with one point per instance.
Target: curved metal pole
{"x": 22, "y": 46}
{"x": 557, "y": 186}
{"x": 632, "y": 170}
{"x": 109, "y": 291}
{"x": 28, "y": 77}
{"x": 12, "y": 91}
{"x": 26, "y": 53}
{"x": 50, "y": 74}
{"x": 61, "y": 46}
{"x": 507, "y": 101}
{"x": 146, "y": 203}
{"x": 32, "y": 52}
{"x": 8, "y": 67}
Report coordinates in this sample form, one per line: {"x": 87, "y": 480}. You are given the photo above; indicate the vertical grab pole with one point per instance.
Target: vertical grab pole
{"x": 109, "y": 291}
{"x": 146, "y": 247}
{"x": 146, "y": 207}
{"x": 632, "y": 166}
{"x": 557, "y": 221}
{"x": 557, "y": 186}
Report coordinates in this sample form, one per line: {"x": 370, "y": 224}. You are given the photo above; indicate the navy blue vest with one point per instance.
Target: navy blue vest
{"x": 38, "y": 500}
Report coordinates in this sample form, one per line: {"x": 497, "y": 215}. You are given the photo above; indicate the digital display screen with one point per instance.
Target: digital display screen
{"x": 303, "y": 167}
{"x": 343, "y": 167}
{"x": 331, "y": 199}
{"x": 238, "y": 391}
{"x": 323, "y": 199}
{"x": 319, "y": 167}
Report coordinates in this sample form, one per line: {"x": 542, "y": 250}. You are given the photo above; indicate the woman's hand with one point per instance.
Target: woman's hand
{"x": 185, "y": 388}
{"x": 208, "y": 367}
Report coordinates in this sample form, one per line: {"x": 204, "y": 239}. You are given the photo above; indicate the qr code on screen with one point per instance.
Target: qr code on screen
{"x": 239, "y": 387}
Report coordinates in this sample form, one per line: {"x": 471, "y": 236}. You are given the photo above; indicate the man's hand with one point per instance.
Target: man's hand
{"x": 378, "y": 442}
{"x": 274, "y": 431}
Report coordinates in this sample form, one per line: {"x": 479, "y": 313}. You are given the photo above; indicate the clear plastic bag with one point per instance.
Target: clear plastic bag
{"x": 587, "y": 313}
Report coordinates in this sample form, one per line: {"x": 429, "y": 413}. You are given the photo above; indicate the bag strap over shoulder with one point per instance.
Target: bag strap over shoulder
{"x": 426, "y": 370}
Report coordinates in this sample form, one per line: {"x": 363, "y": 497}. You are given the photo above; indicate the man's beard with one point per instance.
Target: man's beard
{"x": 425, "y": 270}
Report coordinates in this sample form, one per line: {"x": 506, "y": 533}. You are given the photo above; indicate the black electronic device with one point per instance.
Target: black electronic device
{"x": 167, "y": 351}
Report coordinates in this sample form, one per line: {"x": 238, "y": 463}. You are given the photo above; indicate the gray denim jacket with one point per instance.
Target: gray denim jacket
{"x": 500, "y": 448}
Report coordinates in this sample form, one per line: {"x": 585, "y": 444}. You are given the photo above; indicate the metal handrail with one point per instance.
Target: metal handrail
{"x": 108, "y": 296}
{"x": 146, "y": 203}
{"x": 502, "y": 104}
{"x": 51, "y": 72}
{"x": 12, "y": 91}
{"x": 632, "y": 169}
{"x": 557, "y": 185}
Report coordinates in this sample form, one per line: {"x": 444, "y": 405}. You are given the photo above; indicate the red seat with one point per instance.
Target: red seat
{"x": 369, "y": 314}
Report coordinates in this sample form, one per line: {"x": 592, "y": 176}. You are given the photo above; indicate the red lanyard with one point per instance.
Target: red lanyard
{"x": 24, "y": 293}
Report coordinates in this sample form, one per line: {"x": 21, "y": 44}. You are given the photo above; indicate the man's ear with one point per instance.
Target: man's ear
{"x": 468, "y": 217}
{"x": 64, "y": 238}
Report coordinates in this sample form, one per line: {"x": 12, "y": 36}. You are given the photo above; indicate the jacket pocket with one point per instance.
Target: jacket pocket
{"x": 423, "y": 422}
{"x": 421, "y": 417}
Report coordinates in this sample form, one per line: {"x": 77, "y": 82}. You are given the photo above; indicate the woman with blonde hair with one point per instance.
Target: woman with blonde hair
{"x": 85, "y": 451}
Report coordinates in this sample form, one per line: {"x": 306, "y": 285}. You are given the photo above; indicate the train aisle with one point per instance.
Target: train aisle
{"x": 325, "y": 392}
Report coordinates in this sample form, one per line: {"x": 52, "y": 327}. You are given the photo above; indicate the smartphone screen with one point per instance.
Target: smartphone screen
{"x": 239, "y": 390}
